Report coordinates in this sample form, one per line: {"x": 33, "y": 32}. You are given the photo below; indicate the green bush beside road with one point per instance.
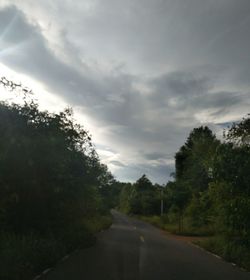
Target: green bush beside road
{"x": 233, "y": 251}
{"x": 24, "y": 256}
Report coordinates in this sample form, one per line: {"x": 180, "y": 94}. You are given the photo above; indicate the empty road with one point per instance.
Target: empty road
{"x": 132, "y": 249}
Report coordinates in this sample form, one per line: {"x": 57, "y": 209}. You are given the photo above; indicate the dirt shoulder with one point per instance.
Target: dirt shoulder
{"x": 186, "y": 238}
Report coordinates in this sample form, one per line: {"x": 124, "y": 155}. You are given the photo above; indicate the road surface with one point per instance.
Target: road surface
{"x": 132, "y": 249}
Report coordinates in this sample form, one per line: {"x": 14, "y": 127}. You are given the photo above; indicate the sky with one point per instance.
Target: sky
{"x": 139, "y": 74}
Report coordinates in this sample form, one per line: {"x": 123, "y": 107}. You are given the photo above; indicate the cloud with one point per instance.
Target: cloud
{"x": 117, "y": 163}
{"x": 155, "y": 173}
{"x": 142, "y": 73}
{"x": 154, "y": 156}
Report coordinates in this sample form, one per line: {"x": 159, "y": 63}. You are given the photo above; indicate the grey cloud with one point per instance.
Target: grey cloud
{"x": 117, "y": 163}
{"x": 11, "y": 23}
{"x": 37, "y": 60}
{"x": 225, "y": 125}
{"x": 182, "y": 83}
{"x": 176, "y": 33}
{"x": 109, "y": 97}
{"x": 190, "y": 57}
{"x": 221, "y": 99}
{"x": 154, "y": 156}
{"x": 155, "y": 173}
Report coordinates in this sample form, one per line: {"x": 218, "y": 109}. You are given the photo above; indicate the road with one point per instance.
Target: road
{"x": 132, "y": 249}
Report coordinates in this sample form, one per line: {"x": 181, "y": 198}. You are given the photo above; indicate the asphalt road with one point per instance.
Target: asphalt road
{"x": 132, "y": 249}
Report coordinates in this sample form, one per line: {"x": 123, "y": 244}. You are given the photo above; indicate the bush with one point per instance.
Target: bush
{"x": 98, "y": 223}
{"x": 231, "y": 250}
{"x": 22, "y": 256}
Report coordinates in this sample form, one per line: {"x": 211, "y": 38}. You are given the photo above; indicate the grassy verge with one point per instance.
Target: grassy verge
{"x": 163, "y": 223}
{"x": 232, "y": 251}
{"x": 236, "y": 252}
{"x": 98, "y": 223}
{"x": 24, "y": 256}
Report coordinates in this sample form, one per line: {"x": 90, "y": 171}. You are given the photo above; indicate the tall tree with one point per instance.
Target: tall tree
{"x": 194, "y": 160}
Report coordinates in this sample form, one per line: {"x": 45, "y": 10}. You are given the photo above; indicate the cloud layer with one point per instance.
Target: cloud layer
{"x": 141, "y": 73}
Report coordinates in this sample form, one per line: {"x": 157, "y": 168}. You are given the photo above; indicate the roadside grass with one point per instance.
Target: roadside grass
{"x": 173, "y": 227}
{"x": 98, "y": 223}
{"x": 231, "y": 251}
{"x": 24, "y": 256}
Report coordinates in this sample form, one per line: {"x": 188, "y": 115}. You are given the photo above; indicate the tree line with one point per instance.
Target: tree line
{"x": 210, "y": 193}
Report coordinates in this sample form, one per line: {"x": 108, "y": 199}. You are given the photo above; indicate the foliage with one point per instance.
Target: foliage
{"x": 52, "y": 197}
{"x": 23, "y": 255}
{"x": 48, "y": 164}
{"x": 233, "y": 251}
{"x": 194, "y": 159}
{"x": 239, "y": 133}
{"x": 230, "y": 190}
{"x": 140, "y": 198}
{"x": 187, "y": 197}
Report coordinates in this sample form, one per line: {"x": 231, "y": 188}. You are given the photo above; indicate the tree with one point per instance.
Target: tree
{"x": 195, "y": 159}
{"x": 193, "y": 163}
{"x": 53, "y": 188}
{"x": 140, "y": 198}
{"x": 178, "y": 196}
{"x": 47, "y": 164}
{"x": 239, "y": 133}
{"x": 230, "y": 189}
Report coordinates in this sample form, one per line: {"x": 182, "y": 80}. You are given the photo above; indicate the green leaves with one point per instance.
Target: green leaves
{"x": 49, "y": 170}
{"x": 239, "y": 133}
{"x": 195, "y": 158}
{"x": 140, "y": 198}
{"x": 212, "y": 184}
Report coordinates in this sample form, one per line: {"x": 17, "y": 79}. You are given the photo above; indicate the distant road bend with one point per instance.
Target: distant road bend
{"x": 132, "y": 249}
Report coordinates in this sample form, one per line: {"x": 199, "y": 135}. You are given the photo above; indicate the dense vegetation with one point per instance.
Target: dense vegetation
{"x": 140, "y": 198}
{"x": 54, "y": 192}
{"x": 210, "y": 194}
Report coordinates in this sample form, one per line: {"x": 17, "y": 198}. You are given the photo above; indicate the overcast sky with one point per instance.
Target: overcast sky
{"x": 140, "y": 74}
